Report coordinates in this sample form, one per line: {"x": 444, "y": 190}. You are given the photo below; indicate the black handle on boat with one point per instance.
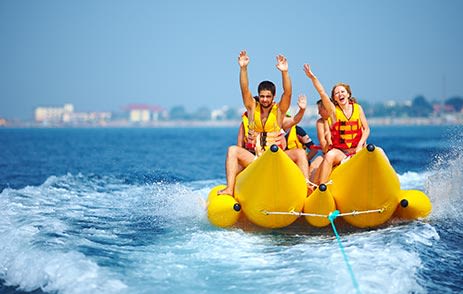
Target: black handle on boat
{"x": 370, "y": 147}
{"x": 274, "y": 148}
{"x": 404, "y": 203}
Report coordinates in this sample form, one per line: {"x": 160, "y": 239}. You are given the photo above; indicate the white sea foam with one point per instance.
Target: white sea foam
{"x": 30, "y": 261}
{"x": 444, "y": 182}
{"x": 78, "y": 234}
{"x": 234, "y": 260}
{"x": 413, "y": 180}
{"x": 51, "y": 235}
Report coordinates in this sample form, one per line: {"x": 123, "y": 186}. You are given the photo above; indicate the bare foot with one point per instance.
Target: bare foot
{"x": 310, "y": 190}
{"x": 310, "y": 186}
{"x": 225, "y": 191}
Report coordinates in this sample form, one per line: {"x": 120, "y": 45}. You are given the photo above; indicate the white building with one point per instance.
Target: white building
{"x": 144, "y": 113}
{"x": 67, "y": 115}
{"x": 54, "y": 114}
{"x": 140, "y": 115}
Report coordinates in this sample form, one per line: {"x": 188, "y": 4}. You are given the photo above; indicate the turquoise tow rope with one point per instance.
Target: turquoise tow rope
{"x": 332, "y": 216}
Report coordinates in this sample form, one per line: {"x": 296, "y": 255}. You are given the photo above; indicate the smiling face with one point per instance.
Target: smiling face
{"x": 341, "y": 96}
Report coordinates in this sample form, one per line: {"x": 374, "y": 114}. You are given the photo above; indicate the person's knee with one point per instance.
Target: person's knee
{"x": 300, "y": 158}
{"x": 330, "y": 157}
{"x": 301, "y": 155}
{"x": 233, "y": 149}
{"x": 295, "y": 154}
{"x": 232, "y": 152}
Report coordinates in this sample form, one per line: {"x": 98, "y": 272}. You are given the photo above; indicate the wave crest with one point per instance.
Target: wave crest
{"x": 444, "y": 183}
{"x": 68, "y": 234}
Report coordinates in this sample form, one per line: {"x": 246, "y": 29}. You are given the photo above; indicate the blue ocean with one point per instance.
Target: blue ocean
{"x": 106, "y": 210}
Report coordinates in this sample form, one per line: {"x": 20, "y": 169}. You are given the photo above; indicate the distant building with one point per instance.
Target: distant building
{"x": 54, "y": 114}
{"x": 143, "y": 113}
{"x": 408, "y": 103}
{"x": 219, "y": 114}
{"x": 390, "y": 103}
{"x": 66, "y": 115}
{"x": 140, "y": 115}
{"x": 443, "y": 108}
{"x": 90, "y": 117}
{"x": 226, "y": 113}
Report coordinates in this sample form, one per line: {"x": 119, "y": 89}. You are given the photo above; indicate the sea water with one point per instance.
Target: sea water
{"x": 122, "y": 211}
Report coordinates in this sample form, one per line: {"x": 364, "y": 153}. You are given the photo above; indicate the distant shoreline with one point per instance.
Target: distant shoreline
{"x": 374, "y": 121}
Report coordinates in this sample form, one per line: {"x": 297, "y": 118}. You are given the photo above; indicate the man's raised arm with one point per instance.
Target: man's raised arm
{"x": 285, "y": 102}
{"x": 243, "y": 60}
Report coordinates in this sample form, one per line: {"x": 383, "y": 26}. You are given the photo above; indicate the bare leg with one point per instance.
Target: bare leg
{"x": 314, "y": 169}
{"x": 332, "y": 158}
{"x": 237, "y": 159}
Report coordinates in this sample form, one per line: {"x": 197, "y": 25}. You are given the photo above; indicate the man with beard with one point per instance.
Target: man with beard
{"x": 265, "y": 123}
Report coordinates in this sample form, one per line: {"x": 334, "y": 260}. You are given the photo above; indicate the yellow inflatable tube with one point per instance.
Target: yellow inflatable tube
{"x": 222, "y": 210}
{"x": 319, "y": 204}
{"x": 366, "y": 183}
{"x": 272, "y": 183}
{"x": 413, "y": 204}
{"x": 271, "y": 192}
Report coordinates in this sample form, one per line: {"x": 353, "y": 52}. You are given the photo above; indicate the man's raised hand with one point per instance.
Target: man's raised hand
{"x": 282, "y": 63}
{"x": 302, "y": 101}
{"x": 243, "y": 59}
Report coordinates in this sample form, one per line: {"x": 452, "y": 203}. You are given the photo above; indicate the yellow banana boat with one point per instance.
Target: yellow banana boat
{"x": 271, "y": 193}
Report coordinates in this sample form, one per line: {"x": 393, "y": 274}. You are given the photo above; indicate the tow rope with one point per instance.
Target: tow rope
{"x": 297, "y": 213}
{"x": 332, "y": 217}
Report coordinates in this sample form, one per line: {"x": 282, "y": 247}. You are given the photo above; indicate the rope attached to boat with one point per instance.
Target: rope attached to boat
{"x": 297, "y": 213}
{"x": 332, "y": 217}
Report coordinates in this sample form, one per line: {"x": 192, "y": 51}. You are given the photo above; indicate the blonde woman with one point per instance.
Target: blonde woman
{"x": 348, "y": 124}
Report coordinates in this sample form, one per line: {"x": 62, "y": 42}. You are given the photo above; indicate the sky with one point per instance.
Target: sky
{"x": 102, "y": 55}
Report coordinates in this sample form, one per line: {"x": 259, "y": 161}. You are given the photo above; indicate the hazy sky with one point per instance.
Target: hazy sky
{"x": 101, "y": 55}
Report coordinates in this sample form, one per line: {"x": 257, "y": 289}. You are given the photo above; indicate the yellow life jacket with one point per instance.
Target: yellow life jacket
{"x": 346, "y": 132}
{"x": 264, "y": 135}
{"x": 271, "y": 125}
{"x": 292, "y": 140}
{"x": 247, "y": 144}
